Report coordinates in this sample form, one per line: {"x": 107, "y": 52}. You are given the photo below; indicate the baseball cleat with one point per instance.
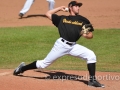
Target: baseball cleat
{"x": 21, "y": 15}
{"x": 18, "y": 69}
{"x": 95, "y": 84}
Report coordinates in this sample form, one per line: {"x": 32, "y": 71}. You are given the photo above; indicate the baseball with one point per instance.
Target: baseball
{"x": 66, "y": 9}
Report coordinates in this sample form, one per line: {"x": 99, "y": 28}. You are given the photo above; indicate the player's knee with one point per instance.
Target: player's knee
{"x": 42, "y": 64}
{"x": 91, "y": 58}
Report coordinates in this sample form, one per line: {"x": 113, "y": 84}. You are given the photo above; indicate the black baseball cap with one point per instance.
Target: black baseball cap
{"x": 74, "y": 3}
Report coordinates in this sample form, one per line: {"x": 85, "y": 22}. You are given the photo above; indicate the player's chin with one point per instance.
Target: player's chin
{"x": 76, "y": 13}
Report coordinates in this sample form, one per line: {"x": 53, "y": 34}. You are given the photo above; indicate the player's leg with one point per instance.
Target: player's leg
{"x": 84, "y": 53}
{"x": 51, "y": 4}
{"x": 88, "y": 55}
{"x": 26, "y": 7}
{"x": 57, "y": 51}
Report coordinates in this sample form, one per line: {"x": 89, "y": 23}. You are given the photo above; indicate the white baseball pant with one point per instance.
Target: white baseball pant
{"x": 61, "y": 48}
{"x": 51, "y": 4}
{"x": 29, "y": 3}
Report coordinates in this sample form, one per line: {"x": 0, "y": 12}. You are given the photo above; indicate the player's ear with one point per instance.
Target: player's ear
{"x": 70, "y": 8}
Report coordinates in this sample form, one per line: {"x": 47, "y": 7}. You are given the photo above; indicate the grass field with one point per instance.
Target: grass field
{"x": 32, "y": 43}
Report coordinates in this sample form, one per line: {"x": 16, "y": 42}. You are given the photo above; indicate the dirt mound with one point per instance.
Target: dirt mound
{"x": 56, "y": 80}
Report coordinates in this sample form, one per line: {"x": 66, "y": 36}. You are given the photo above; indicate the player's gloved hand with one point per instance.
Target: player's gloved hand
{"x": 86, "y": 28}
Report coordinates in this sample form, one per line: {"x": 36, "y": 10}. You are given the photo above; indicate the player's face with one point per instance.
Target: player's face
{"x": 75, "y": 9}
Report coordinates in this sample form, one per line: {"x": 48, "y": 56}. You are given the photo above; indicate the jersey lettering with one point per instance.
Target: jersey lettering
{"x": 72, "y": 22}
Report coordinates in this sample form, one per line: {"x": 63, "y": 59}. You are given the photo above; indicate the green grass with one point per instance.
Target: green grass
{"x": 34, "y": 43}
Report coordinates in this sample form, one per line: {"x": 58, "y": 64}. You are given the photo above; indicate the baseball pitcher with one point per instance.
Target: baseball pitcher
{"x": 70, "y": 29}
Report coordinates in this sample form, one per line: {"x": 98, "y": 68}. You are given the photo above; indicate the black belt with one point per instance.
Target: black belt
{"x": 67, "y": 42}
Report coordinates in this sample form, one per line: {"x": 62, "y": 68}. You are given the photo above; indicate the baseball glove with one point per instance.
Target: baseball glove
{"x": 86, "y": 28}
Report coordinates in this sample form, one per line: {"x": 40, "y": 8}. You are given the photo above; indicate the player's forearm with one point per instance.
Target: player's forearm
{"x": 50, "y": 12}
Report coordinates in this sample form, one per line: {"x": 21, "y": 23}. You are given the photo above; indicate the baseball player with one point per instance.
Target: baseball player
{"x": 29, "y": 3}
{"x": 70, "y": 28}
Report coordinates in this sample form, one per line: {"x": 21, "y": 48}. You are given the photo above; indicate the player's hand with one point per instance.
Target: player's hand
{"x": 88, "y": 36}
{"x": 64, "y": 9}
{"x": 86, "y": 28}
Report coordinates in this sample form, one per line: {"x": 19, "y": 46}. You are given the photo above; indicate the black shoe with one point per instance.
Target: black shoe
{"x": 18, "y": 69}
{"x": 21, "y": 15}
{"x": 95, "y": 84}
